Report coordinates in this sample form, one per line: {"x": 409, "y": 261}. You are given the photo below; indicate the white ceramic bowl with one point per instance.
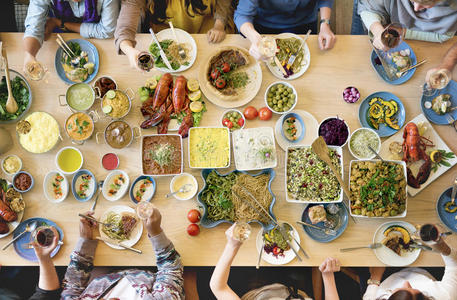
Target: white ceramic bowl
{"x": 121, "y": 192}
{"x": 286, "y": 84}
{"x": 349, "y": 130}
{"x": 57, "y": 161}
{"x": 233, "y": 110}
{"x": 47, "y": 186}
{"x": 20, "y": 164}
{"x": 366, "y": 129}
{"x": 194, "y": 181}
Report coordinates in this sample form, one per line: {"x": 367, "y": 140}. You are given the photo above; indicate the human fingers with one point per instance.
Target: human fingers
{"x": 321, "y": 41}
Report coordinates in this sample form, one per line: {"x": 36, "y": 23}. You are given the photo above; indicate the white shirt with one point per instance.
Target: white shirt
{"x": 123, "y": 290}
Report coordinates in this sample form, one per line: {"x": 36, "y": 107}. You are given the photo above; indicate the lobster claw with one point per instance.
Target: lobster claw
{"x": 155, "y": 119}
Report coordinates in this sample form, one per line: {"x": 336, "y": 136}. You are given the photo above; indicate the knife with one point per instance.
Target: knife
{"x": 119, "y": 244}
{"x": 421, "y": 246}
{"x": 162, "y": 54}
{"x": 292, "y": 58}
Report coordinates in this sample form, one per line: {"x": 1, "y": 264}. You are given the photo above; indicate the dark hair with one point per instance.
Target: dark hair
{"x": 406, "y": 295}
{"x": 158, "y": 9}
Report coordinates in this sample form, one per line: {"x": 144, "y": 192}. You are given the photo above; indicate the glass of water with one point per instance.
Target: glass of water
{"x": 242, "y": 231}
{"x": 144, "y": 210}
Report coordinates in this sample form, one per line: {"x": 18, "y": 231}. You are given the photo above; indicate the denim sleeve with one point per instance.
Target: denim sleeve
{"x": 105, "y": 28}
{"x": 36, "y": 19}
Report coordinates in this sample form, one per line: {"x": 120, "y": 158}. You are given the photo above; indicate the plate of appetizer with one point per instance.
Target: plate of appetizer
{"x": 209, "y": 147}
{"x": 125, "y": 227}
{"x": 83, "y": 185}
{"x": 82, "y": 67}
{"x": 170, "y": 47}
{"x": 401, "y": 58}
{"x": 310, "y": 180}
{"x": 162, "y": 154}
{"x": 22, "y": 94}
{"x": 115, "y": 185}
{"x": 378, "y": 189}
{"x": 441, "y": 104}
{"x": 276, "y": 249}
{"x": 142, "y": 189}
{"x": 55, "y": 186}
{"x": 285, "y": 139}
{"x": 396, "y": 241}
{"x": 12, "y": 207}
{"x": 427, "y": 156}
{"x": 447, "y": 212}
{"x": 223, "y": 197}
{"x": 288, "y": 44}
{"x": 383, "y": 112}
{"x": 332, "y": 219}
{"x": 231, "y": 77}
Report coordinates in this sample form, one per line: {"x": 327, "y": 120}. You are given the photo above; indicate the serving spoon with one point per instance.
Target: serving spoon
{"x": 11, "y": 104}
{"x": 184, "y": 189}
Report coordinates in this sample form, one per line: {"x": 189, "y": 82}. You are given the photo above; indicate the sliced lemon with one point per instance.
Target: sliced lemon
{"x": 193, "y": 85}
{"x": 195, "y": 96}
{"x": 436, "y": 156}
{"x": 196, "y": 106}
{"x": 151, "y": 83}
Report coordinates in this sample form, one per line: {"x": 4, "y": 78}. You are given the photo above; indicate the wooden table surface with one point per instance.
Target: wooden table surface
{"x": 320, "y": 93}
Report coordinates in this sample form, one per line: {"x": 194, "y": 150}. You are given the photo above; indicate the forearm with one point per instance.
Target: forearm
{"x": 31, "y": 46}
{"x": 223, "y": 10}
{"x": 126, "y": 46}
{"x": 219, "y": 279}
{"x": 326, "y": 13}
{"x": 48, "y": 280}
{"x": 428, "y": 36}
{"x": 73, "y": 27}
{"x": 248, "y": 30}
{"x": 449, "y": 280}
{"x": 450, "y": 59}
{"x": 331, "y": 292}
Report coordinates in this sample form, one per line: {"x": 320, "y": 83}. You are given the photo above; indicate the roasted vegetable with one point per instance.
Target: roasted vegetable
{"x": 450, "y": 207}
{"x": 404, "y": 232}
{"x": 382, "y": 111}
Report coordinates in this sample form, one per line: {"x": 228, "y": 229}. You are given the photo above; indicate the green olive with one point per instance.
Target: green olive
{"x": 280, "y": 90}
{"x": 289, "y": 90}
{"x": 277, "y": 97}
{"x": 275, "y": 101}
{"x": 270, "y": 94}
{"x": 270, "y": 103}
{"x": 285, "y": 93}
{"x": 279, "y": 105}
{"x": 292, "y": 96}
{"x": 281, "y": 85}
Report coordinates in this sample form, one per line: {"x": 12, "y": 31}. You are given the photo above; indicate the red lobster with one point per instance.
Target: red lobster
{"x": 414, "y": 150}
{"x": 168, "y": 99}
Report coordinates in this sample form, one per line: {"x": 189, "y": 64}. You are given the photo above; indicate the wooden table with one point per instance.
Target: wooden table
{"x": 320, "y": 92}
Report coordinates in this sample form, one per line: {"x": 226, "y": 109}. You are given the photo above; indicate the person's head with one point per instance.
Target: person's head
{"x": 420, "y": 5}
{"x": 158, "y": 9}
{"x": 407, "y": 292}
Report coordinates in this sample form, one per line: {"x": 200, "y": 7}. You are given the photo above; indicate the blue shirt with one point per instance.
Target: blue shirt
{"x": 107, "y": 9}
{"x": 278, "y": 13}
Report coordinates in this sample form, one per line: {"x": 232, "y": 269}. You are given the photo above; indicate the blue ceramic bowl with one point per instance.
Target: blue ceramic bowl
{"x": 73, "y": 183}
{"x": 446, "y": 218}
{"x": 302, "y": 124}
{"x": 432, "y": 116}
{"x": 142, "y": 177}
{"x": 31, "y": 185}
{"x": 341, "y": 219}
{"x": 207, "y": 223}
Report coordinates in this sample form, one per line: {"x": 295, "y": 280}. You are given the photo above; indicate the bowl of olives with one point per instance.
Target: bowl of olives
{"x": 233, "y": 119}
{"x": 281, "y": 97}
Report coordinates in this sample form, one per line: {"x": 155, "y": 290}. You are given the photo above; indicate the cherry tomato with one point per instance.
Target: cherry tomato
{"x": 193, "y": 216}
{"x": 193, "y": 229}
{"x": 276, "y": 250}
{"x": 241, "y": 122}
{"x": 227, "y": 123}
{"x": 265, "y": 114}
{"x": 215, "y": 74}
{"x": 225, "y": 67}
{"x": 250, "y": 113}
{"x": 220, "y": 83}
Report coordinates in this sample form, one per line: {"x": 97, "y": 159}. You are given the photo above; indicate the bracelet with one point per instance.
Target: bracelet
{"x": 372, "y": 281}
{"x": 326, "y": 21}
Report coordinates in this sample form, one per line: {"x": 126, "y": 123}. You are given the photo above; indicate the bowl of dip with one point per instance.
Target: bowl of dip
{"x": 293, "y": 128}
{"x": 116, "y": 104}
{"x": 119, "y": 134}
{"x": 142, "y": 189}
{"x": 69, "y": 160}
{"x": 79, "y": 97}
{"x": 23, "y": 182}
{"x": 55, "y": 186}
{"x": 103, "y": 84}
{"x": 115, "y": 185}
{"x": 180, "y": 180}
{"x": 38, "y": 133}
{"x": 110, "y": 161}
{"x": 359, "y": 141}
{"x": 83, "y": 185}
{"x": 11, "y": 164}
{"x": 80, "y": 126}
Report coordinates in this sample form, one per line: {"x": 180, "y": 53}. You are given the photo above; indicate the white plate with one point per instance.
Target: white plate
{"x": 108, "y": 181}
{"x": 12, "y": 225}
{"x": 430, "y": 134}
{"x": 47, "y": 186}
{"x": 134, "y": 236}
{"x": 289, "y": 255}
{"x": 183, "y": 38}
{"x": 305, "y": 63}
{"x": 387, "y": 256}
{"x": 311, "y": 126}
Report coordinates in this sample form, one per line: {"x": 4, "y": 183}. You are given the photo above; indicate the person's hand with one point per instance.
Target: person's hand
{"x": 43, "y": 253}
{"x": 152, "y": 223}
{"x": 231, "y": 241}
{"x": 329, "y": 266}
{"x": 217, "y": 33}
{"x": 28, "y": 58}
{"x": 377, "y": 272}
{"x": 51, "y": 24}
{"x": 326, "y": 37}
{"x": 254, "y": 50}
{"x": 86, "y": 227}
{"x": 132, "y": 54}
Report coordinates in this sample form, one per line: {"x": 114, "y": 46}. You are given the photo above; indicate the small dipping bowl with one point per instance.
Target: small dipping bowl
{"x": 20, "y": 174}
{"x": 178, "y": 181}
{"x": 134, "y": 188}
{"x": 110, "y": 161}
{"x": 9, "y": 157}
{"x": 351, "y": 94}
{"x": 231, "y": 111}
{"x": 300, "y": 131}
{"x": 371, "y": 156}
{"x": 65, "y": 159}
{"x": 48, "y": 186}
{"x": 327, "y": 120}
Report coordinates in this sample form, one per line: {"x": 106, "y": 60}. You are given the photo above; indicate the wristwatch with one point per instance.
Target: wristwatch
{"x": 372, "y": 281}
{"x": 326, "y": 21}
{"x": 62, "y": 25}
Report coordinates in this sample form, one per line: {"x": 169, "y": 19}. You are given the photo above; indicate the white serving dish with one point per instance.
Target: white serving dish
{"x": 191, "y": 130}
{"x": 268, "y": 132}
{"x": 194, "y": 181}
{"x": 286, "y": 84}
{"x": 339, "y": 150}
{"x": 377, "y": 150}
{"x": 47, "y": 186}
{"x": 122, "y": 190}
{"x": 182, "y": 154}
{"x": 406, "y": 189}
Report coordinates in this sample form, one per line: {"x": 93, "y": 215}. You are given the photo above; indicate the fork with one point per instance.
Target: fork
{"x": 450, "y": 119}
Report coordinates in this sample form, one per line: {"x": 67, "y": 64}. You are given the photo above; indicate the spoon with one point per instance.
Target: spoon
{"x": 11, "y": 104}
{"x": 184, "y": 189}
{"x": 100, "y": 186}
{"x": 327, "y": 231}
{"x": 375, "y": 153}
{"x": 28, "y": 228}
{"x": 401, "y": 73}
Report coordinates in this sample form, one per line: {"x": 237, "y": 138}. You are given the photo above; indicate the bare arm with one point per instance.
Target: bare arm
{"x": 328, "y": 268}
{"x": 74, "y": 27}
{"x": 449, "y": 61}
{"x": 326, "y": 37}
{"x": 48, "y": 279}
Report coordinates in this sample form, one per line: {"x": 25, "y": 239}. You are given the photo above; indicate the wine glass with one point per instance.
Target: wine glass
{"x": 393, "y": 35}
{"x": 438, "y": 80}
{"x": 145, "y": 61}
{"x": 43, "y": 236}
{"x": 242, "y": 231}
{"x": 144, "y": 210}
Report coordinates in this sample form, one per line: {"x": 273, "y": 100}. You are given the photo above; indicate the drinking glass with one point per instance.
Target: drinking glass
{"x": 35, "y": 70}
{"x": 267, "y": 46}
{"x": 144, "y": 210}
{"x": 393, "y": 35}
{"x": 241, "y": 231}
{"x": 438, "y": 80}
{"x": 43, "y": 236}
{"x": 145, "y": 61}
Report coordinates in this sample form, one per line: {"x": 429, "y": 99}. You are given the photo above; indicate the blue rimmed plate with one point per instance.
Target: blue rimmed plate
{"x": 20, "y": 245}
{"x": 448, "y": 219}
{"x": 383, "y": 130}
{"x": 340, "y": 219}
{"x": 92, "y": 185}
{"x": 92, "y": 54}
{"x": 432, "y": 116}
{"x": 382, "y": 73}
{"x": 207, "y": 223}
{"x": 147, "y": 196}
